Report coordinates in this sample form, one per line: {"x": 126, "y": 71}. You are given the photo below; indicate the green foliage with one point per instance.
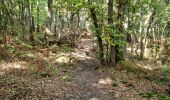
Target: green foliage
{"x": 68, "y": 49}
{"x": 10, "y": 49}
{"x": 124, "y": 82}
{"x": 49, "y": 69}
{"x": 165, "y": 71}
{"x": 129, "y": 66}
{"x": 150, "y": 95}
{"x": 108, "y": 35}
{"x": 64, "y": 65}
{"x": 114, "y": 84}
{"x": 113, "y": 37}
{"x": 67, "y": 77}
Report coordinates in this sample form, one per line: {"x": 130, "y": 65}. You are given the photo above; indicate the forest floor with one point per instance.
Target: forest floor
{"x": 36, "y": 73}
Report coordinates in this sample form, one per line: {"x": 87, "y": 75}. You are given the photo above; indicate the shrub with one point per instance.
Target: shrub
{"x": 165, "y": 71}
{"x": 129, "y": 65}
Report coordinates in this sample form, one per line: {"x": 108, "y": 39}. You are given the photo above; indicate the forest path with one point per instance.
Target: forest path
{"x": 48, "y": 74}
{"x": 90, "y": 83}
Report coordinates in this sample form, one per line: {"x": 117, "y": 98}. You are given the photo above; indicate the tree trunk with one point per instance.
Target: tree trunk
{"x": 38, "y": 17}
{"x": 98, "y": 35}
{"x": 30, "y": 21}
{"x": 110, "y": 22}
{"x": 121, "y": 5}
{"x": 49, "y": 22}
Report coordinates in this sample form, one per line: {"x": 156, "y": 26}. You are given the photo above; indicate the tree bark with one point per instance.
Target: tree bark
{"x": 38, "y": 17}
{"x": 49, "y": 22}
{"x": 112, "y": 57}
{"x": 98, "y": 35}
{"x": 121, "y": 5}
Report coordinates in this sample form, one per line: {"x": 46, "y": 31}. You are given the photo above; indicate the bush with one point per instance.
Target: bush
{"x": 165, "y": 71}
{"x": 128, "y": 65}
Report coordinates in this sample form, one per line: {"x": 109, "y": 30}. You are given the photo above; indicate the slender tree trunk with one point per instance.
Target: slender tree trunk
{"x": 110, "y": 22}
{"x": 98, "y": 35}
{"x": 58, "y": 27}
{"x": 49, "y": 23}
{"x": 38, "y": 17}
{"x": 22, "y": 8}
{"x": 30, "y": 21}
{"x": 121, "y": 5}
{"x": 144, "y": 41}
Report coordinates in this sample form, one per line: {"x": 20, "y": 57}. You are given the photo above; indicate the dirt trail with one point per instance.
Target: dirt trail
{"x": 89, "y": 82}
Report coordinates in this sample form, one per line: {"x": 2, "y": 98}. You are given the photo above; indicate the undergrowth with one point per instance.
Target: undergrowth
{"x": 162, "y": 73}
{"x": 152, "y": 95}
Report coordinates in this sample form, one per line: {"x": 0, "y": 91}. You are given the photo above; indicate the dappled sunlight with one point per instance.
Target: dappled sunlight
{"x": 27, "y": 55}
{"x": 81, "y": 54}
{"x": 136, "y": 51}
{"x": 94, "y": 99}
{"x": 17, "y": 65}
{"x": 106, "y": 81}
{"x": 30, "y": 54}
{"x": 85, "y": 49}
{"x": 4, "y": 66}
{"x": 102, "y": 83}
{"x": 148, "y": 65}
{"x": 62, "y": 59}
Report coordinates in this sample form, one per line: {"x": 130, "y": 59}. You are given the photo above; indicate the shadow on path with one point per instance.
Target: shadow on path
{"x": 90, "y": 83}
